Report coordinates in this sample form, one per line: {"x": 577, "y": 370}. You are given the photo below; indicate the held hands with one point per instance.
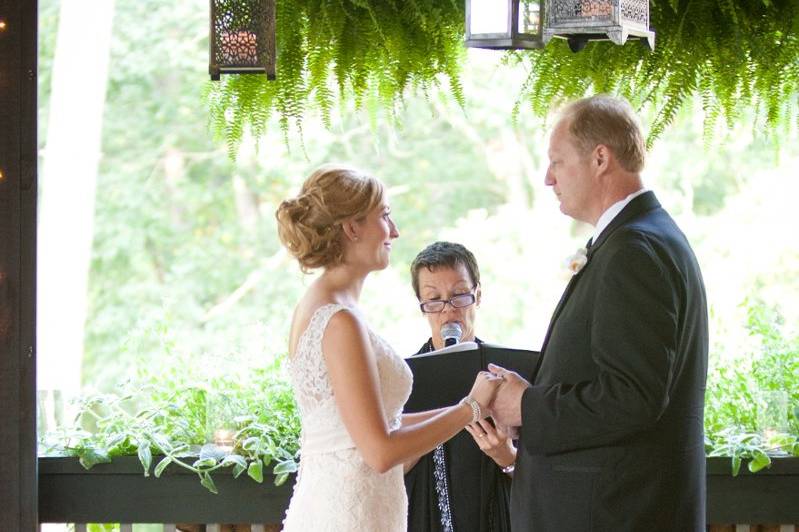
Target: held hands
{"x": 493, "y": 441}
{"x": 483, "y": 390}
{"x": 507, "y": 405}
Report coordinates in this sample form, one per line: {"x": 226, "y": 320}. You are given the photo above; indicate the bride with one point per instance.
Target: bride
{"x": 349, "y": 384}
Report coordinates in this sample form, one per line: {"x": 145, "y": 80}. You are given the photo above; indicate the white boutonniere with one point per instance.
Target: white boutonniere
{"x": 577, "y": 261}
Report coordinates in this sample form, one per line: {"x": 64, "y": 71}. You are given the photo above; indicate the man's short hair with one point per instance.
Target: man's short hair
{"x": 607, "y": 120}
{"x": 444, "y": 255}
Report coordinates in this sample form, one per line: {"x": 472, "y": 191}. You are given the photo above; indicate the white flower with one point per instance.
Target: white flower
{"x": 576, "y": 262}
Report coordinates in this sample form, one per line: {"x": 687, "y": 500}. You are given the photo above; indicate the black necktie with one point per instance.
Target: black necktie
{"x": 588, "y": 245}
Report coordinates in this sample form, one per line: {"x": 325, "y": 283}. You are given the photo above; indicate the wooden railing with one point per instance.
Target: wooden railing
{"x": 119, "y": 493}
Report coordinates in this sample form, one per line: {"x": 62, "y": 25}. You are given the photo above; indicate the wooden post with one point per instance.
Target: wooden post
{"x": 18, "y": 64}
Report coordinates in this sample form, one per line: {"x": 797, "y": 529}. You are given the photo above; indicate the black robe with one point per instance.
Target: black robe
{"x": 469, "y": 486}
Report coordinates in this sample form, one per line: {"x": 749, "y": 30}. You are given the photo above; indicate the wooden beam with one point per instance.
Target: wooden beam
{"x": 18, "y": 79}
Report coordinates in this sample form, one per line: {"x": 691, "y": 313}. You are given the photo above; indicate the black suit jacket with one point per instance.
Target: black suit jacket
{"x": 612, "y": 426}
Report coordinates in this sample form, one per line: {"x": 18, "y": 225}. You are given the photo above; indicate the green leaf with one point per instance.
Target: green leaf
{"x": 287, "y": 466}
{"x": 736, "y": 465}
{"x": 251, "y": 443}
{"x": 165, "y": 461}
{"x": 238, "y": 469}
{"x": 161, "y": 441}
{"x": 759, "y": 461}
{"x": 101, "y": 527}
{"x": 145, "y": 457}
{"x": 90, "y": 456}
{"x": 204, "y": 463}
{"x": 281, "y": 479}
{"x": 236, "y": 459}
{"x": 208, "y": 482}
{"x": 115, "y": 440}
{"x": 256, "y": 471}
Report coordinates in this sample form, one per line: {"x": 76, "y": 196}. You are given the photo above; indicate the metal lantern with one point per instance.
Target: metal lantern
{"x": 505, "y": 24}
{"x": 580, "y": 21}
{"x": 242, "y": 38}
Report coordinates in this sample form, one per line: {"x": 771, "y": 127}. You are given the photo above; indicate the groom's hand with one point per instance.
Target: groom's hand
{"x": 507, "y": 405}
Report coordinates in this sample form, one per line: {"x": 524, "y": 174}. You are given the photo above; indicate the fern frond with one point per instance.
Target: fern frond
{"x": 731, "y": 53}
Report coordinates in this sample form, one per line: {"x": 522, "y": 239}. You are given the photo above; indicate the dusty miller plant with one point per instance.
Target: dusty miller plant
{"x": 164, "y": 421}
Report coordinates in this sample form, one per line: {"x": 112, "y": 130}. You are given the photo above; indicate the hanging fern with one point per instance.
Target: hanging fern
{"x": 364, "y": 49}
{"x": 731, "y": 53}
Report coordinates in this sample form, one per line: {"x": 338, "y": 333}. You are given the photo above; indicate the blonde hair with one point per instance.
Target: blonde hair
{"x": 310, "y": 225}
{"x": 603, "y": 119}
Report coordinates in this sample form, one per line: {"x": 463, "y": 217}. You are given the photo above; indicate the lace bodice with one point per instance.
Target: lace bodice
{"x": 335, "y": 488}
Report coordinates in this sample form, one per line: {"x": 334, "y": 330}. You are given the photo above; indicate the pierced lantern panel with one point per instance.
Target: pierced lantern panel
{"x": 242, "y": 39}
{"x": 504, "y": 24}
{"x": 581, "y": 21}
{"x": 530, "y": 17}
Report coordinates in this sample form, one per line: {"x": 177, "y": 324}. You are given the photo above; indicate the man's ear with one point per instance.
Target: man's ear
{"x": 600, "y": 157}
{"x": 350, "y": 228}
{"x": 478, "y": 294}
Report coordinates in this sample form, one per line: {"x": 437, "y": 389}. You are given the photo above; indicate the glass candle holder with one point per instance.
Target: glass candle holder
{"x": 772, "y": 414}
{"x": 220, "y": 420}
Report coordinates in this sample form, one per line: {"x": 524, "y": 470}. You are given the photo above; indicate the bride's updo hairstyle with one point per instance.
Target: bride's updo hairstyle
{"x": 309, "y": 225}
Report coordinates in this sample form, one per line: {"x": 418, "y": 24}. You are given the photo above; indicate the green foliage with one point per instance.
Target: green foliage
{"x": 733, "y": 53}
{"x": 100, "y": 527}
{"x": 48, "y": 31}
{"x": 186, "y": 260}
{"x": 184, "y": 247}
{"x": 172, "y": 410}
{"x": 737, "y": 408}
{"x": 369, "y": 50}
{"x": 184, "y": 250}
{"x": 167, "y": 419}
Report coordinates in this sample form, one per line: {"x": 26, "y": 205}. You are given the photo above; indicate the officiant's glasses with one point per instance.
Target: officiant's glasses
{"x": 456, "y": 301}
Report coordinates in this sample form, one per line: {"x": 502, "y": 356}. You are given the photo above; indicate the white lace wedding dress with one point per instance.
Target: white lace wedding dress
{"x": 335, "y": 489}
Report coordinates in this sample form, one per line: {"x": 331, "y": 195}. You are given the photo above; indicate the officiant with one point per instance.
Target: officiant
{"x": 445, "y": 486}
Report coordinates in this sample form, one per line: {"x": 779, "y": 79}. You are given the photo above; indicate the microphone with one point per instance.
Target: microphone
{"x": 451, "y": 333}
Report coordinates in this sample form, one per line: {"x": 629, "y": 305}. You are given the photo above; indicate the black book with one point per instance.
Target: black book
{"x": 444, "y": 377}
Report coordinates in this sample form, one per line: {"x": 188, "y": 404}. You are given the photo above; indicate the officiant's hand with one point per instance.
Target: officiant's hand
{"x": 507, "y": 405}
{"x": 493, "y": 441}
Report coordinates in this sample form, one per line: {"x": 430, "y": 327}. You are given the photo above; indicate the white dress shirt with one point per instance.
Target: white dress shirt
{"x": 612, "y": 212}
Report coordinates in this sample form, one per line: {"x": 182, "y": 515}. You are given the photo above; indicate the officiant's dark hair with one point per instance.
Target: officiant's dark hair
{"x": 444, "y": 255}
{"x": 310, "y": 225}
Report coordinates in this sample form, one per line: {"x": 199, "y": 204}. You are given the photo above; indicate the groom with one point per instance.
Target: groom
{"x": 611, "y": 428}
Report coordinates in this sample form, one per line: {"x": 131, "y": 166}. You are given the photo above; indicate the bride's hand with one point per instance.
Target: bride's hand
{"x": 484, "y": 388}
